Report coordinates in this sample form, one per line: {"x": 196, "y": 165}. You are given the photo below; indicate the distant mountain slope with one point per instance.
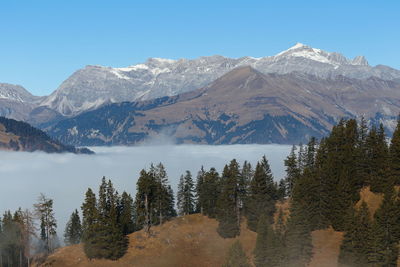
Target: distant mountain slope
{"x": 20, "y": 136}
{"x": 93, "y": 86}
{"x": 243, "y": 106}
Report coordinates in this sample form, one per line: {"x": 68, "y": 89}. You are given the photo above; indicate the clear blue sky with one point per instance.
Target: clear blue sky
{"x": 43, "y": 42}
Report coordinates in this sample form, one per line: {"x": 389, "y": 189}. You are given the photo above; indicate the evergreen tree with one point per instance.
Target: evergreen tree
{"x": 104, "y": 237}
{"x": 228, "y": 214}
{"x": 269, "y": 250}
{"x": 186, "y": 200}
{"x": 236, "y": 256}
{"x": 73, "y": 230}
{"x": 163, "y": 197}
{"x": 298, "y": 237}
{"x": 145, "y": 200}
{"x": 209, "y": 191}
{"x": 199, "y": 187}
{"x": 262, "y": 193}
{"x": 90, "y": 224}
{"x": 292, "y": 171}
{"x": 378, "y": 155}
{"x": 386, "y": 230}
{"x": 394, "y": 154}
{"x": 356, "y": 243}
{"x": 126, "y": 211}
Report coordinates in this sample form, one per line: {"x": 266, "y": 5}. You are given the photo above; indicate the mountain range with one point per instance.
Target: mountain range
{"x": 217, "y": 100}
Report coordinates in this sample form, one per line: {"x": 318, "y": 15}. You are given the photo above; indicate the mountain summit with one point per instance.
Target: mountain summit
{"x": 93, "y": 86}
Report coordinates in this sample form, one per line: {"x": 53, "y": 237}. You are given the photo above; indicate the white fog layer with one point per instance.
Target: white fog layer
{"x": 66, "y": 177}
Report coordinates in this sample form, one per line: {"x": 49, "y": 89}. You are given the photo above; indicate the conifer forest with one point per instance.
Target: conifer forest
{"x": 321, "y": 187}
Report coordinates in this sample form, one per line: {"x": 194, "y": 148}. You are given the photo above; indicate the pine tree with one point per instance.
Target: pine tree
{"x": 269, "y": 248}
{"x": 356, "y": 244}
{"x": 126, "y": 216}
{"x": 200, "y": 180}
{"x": 292, "y": 171}
{"x": 208, "y": 193}
{"x": 261, "y": 198}
{"x": 186, "y": 200}
{"x": 378, "y": 159}
{"x": 394, "y": 154}
{"x": 145, "y": 200}
{"x": 90, "y": 224}
{"x": 298, "y": 237}
{"x": 236, "y": 256}
{"x": 228, "y": 214}
{"x": 73, "y": 230}
{"x": 386, "y": 230}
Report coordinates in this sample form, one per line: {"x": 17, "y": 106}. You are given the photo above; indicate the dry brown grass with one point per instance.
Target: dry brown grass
{"x": 193, "y": 241}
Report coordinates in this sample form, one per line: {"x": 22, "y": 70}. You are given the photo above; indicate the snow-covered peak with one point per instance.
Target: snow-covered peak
{"x": 300, "y": 50}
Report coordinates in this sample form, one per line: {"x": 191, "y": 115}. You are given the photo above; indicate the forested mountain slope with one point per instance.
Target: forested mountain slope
{"x": 20, "y": 136}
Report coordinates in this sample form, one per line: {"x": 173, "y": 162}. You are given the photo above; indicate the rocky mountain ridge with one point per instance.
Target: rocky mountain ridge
{"x": 243, "y": 106}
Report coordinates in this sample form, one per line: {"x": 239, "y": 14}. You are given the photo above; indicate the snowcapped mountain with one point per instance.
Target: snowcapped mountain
{"x": 94, "y": 86}
{"x": 16, "y": 93}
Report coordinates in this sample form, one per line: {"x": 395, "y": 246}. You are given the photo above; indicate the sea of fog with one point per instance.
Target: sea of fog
{"x": 66, "y": 177}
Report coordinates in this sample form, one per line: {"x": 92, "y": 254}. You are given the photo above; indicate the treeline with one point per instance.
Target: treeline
{"x": 323, "y": 186}
{"x": 21, "y": 239}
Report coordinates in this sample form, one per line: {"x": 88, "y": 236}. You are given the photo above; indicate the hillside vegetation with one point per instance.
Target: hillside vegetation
{"x": 192, "y": 240}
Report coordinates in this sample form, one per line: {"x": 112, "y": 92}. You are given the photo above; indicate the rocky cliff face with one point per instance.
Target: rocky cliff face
{"x": 243, "y": 106}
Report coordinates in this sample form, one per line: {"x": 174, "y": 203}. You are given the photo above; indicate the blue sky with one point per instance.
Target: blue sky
{"x": 43, "y": 42}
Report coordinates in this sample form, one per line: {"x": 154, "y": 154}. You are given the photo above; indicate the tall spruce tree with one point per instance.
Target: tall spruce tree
{"x": 262, "y": 195}
{"x": 126, "y": 210}
{"x": 145, "y": 200}
{"x": 228, "y": 214}
{"x": 73, "y": 230}
{"x": 378, "y": 160}
{"x": 292, "y": 171}
{"x": 394, "y": 154}
{"x": 269, "y": 246}
{"x": 185, "y": 195}
{"x": 298, "y": 237}
{"x": 90, "y": 224}
{"x": 208, "y": 193}
{"x": 386, "y": 230}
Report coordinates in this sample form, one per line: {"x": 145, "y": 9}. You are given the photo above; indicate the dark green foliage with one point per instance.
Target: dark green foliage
{"x": 163, "y": 197}
{"x": 90, "y": 224}
{"x": 32, "y": 139}
{"x": 262, "y": 195}
{"x": 154, "y": 202}
{"x": 298, "y": 237}
{"x": 269, "y": 250}
{"x": 185, "y": 195}
{"x": 102, "y": 234}
{"x": 356, "y": 244}
{"x": 228, "y": 214}
{"x": 208, "y": 191}
{"x": 378, "y": 160}
{"x": 126, "y": 212}
{"x": 73, "y": 230}
{"x": 236, "y": 256}
{"x": 386, "y": 230}
{"x": 292, "y": 171}
{"x": 394, "y": 154}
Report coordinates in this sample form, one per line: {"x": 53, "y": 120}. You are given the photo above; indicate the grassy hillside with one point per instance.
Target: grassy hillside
{"x": 193, "y": 241}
